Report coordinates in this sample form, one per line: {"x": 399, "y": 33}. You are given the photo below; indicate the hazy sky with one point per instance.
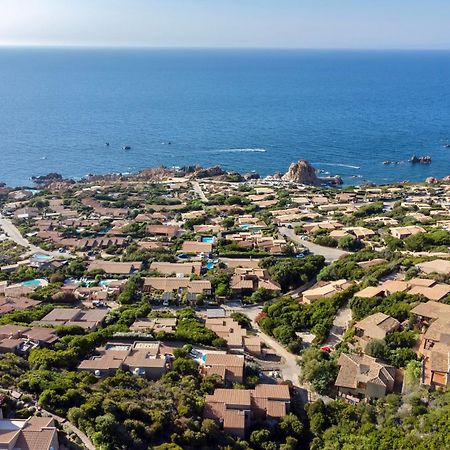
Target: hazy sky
{"x": 228, "y": 23}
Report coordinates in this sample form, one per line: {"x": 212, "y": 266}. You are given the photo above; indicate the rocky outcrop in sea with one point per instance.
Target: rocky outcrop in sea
{"x": 302, "y": 172}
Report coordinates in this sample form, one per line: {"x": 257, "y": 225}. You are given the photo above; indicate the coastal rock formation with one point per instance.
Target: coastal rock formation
{"x": 420, "y": 159}
{"x": 433, "y": 180}
{"x": 209, "y": 172}
{"x": 155, "y": 173}
{"x": 334, "y": 180}
{"x": 301, "y": 172}
{"x": 47, "y": 179}
{"x": 252, "y": 176}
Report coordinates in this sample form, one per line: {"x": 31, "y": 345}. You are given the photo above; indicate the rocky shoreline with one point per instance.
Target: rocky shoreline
{"x": 300, "y": 172}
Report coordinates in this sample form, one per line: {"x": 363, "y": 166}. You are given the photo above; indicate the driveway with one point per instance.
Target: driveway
{"x": 340, "y": 325}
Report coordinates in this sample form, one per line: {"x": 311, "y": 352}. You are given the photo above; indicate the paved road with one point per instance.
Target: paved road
{"x": 340, "y": 325}
{"x": 199, "y": 191}
{"x": 330, "y": 254}
{"x": 288, "y": 367}
{"x": 14, "y": 234}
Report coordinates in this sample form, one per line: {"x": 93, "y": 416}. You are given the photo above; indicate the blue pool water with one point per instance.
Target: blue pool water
{"x": 344, "y": 111}
{"x": 208, "y": 239}
{"x": 41, "y": 257}
{"x": 31, "y": 283}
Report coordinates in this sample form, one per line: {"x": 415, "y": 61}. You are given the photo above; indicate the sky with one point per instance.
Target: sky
{"x": 347, "y": 24}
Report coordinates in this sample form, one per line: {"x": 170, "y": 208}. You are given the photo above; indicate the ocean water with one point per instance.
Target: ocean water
{"x": 345, "y": 112}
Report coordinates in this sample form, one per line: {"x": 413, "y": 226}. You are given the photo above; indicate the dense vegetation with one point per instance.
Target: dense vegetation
{"x": 397, "y": 305}
{"x": 293, "y": 272}
{"x": 418, "y": 421}
{"x": 285, "y": 316}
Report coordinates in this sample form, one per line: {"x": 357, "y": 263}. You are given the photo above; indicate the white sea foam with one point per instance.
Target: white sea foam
{"x": 243, "y": 150}
{"x": 336, "y": 165}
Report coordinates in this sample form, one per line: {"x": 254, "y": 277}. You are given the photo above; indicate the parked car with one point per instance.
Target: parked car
{"x": 326, "y": 348}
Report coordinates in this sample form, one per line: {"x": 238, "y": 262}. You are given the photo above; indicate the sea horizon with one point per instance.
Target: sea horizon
{"x": 346, "y": 111}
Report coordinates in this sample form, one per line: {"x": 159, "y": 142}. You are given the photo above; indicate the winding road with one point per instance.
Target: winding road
{"x": 330, "y": 254}
{"x": 199, "y": 191}
{"x": 14, "y": 234}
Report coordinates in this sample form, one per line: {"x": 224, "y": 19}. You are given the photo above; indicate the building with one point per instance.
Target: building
{"x": 140, "y": 358}
{"x": 429, "y": 289}
{"x": 196, "y": 248}
{"x": 376, "y": 326}
{"x": 167, "y": 324}
{"x": 20, "y": 339}
{"x": 179, "y": 269}
{"x": 34, "y": 433}
{"x": 178, "y": 286}
{"x": 115, "y": 268}
{"x": 441, "y": 266}
{"x": 247, "y": 280}
{"x": 325, "y": 290}
{"x": 87, "y": 319}
{"x": 229, "y": 367}
{"x": 165, "y": 231}
{"x": 434, "y": 319}
{"x": 8, "y": 304}
{"x": 404, "y": 232}
{"x": 363, "y": 377}
{"x": 235, "y": 335}
{"x": 237, "y": 409}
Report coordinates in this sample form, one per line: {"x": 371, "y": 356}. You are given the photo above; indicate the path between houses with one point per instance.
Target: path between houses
{"x": 340, "y": 325}
{"x": 71, "y": 427}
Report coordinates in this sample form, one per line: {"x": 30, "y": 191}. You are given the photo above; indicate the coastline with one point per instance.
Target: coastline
{"x": 215, "y": 173}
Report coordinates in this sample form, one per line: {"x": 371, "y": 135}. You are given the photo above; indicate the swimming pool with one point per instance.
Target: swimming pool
{"x": 33, "y": 283}
{"x": 208, "y": 239}
{"x": 42, "y": 257}
{"x": 210, "y": 265}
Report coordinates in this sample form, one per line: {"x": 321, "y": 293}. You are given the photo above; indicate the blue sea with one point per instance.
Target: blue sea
{"x": 345, "y": 112}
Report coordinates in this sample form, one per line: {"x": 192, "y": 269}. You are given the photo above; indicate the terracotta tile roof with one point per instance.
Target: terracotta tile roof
{"x": 437, "y": 292}
{"x": 438, "y": 266}
{"x": 377, "y": 325}
{"x": 121, "y": 268}
{"x": 233, "y": 419}
{"x": 355, "y": 369}
{"x": 272, "y": 391}
{"x": 196, "y": 247}
{"x": 432, "y": 310}
{"x": 230, "y": 397}
{"x": 169, "y": 268}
